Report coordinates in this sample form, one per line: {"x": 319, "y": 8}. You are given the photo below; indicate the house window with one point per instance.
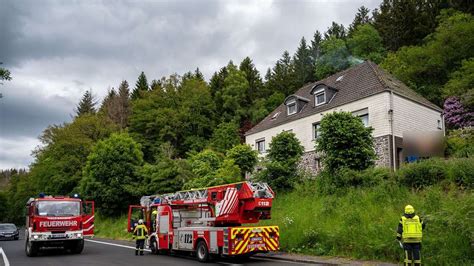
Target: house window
{"x": 291, "y": 107}
{"x": 260, "y": 144}
{"x": 316, "y": 130}
{"x": 320, "y": 98}
{"x": 439, "y": 125}
{"x": 365, "y": 119}
{"x": 317, "y": 164}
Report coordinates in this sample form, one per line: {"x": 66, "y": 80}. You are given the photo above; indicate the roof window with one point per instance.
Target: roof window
{"x": 275, "y": 115}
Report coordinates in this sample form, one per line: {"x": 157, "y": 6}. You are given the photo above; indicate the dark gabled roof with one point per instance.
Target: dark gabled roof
{"x": 296, "y": 97}
{"x": 358, "y": 82}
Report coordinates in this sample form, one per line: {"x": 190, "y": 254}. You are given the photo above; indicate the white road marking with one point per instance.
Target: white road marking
{"x": 281, "y": 261}
{"x": 5, "y": 259}
{"x": 112, "y": 244}
{"x": 220, "y": 262}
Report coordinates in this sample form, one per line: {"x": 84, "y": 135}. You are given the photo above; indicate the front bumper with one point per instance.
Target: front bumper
{"x": 9, "y": 236}
{"x": 48, "y": 236}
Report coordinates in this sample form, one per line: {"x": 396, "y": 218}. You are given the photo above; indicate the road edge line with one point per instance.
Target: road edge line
{"x": 112, "y": 244}
{"x": 291, "y": 260}
{"x": 5, "y": 259}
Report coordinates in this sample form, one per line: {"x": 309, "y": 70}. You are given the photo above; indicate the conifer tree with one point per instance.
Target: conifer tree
{"x": 303, "y": 64}
{"x": 140, "y": 87}
{"x": 361, "y": 18}
{"x": 336, "y": 31}
{"x": 315, "y": 48}
{"x": 255, "y": 89}
{"x": 86, "y": 105}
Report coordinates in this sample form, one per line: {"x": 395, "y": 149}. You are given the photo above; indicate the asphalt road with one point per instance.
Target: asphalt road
{"x": 109, "y": 252}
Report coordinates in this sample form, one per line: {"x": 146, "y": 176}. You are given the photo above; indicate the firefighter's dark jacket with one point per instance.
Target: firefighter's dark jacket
{"x": 400, "y": 225}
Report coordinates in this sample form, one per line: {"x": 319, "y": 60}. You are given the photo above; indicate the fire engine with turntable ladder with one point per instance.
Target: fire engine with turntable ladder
{"x": 208, "y": 221}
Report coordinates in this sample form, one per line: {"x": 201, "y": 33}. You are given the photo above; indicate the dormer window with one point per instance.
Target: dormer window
{"x": 320, "y": 97}
{"x": 294, "y": 104}
{"x": 322, "y": 94}
{"x": 291, "y": 107}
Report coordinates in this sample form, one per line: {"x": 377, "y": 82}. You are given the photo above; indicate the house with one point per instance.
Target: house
{"x": 379, "y": 99}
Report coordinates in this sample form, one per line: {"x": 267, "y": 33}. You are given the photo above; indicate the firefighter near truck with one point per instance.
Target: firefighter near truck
{"x": 208, "y": 222}
{"x": 58, "y": 222}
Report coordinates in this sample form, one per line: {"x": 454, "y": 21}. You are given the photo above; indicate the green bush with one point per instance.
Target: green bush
{"x": 422, "y": 174}
{"x": 281, "y": 167}
{"x": 345, "y": 142}
{"x": 460, "y": 143}
{"x": 328, "y": 183}
{"x": 461, "y": 171}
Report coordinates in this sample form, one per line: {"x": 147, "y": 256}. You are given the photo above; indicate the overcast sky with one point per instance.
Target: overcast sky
{"x": 56, "y": 50}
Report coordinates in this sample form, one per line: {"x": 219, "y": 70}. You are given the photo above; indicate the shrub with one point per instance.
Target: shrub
{"x": 460, "y": 143}
{"x": 281, "y": 168}
{"x": 329, "y": 183}
{"x": 461, "y": 171}
{"x": 422, "y": 174}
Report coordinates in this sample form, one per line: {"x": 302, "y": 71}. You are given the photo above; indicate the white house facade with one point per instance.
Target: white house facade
{"x": 381, "y": 102}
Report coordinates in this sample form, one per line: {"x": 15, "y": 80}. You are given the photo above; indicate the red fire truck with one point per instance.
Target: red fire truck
{"x": 208, "y": 221}
{"x": 60, "y": 222}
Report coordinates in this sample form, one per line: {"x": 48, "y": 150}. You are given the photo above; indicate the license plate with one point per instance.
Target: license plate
{"x": 58, "y": 236}
{"x": 255, "y": 239}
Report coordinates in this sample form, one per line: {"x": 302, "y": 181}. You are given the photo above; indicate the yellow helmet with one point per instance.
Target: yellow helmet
{"x": 154, "y": 212}
{"x": 409, "y": 209}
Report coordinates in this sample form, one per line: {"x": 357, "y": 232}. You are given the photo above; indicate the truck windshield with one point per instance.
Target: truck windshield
{"x": 58, "y": 208}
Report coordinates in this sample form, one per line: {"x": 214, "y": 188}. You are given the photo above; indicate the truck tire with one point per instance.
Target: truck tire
{"x": 31, "y": 249}
{"x": 202, "y": 253}
{"x": 77, "y": 247}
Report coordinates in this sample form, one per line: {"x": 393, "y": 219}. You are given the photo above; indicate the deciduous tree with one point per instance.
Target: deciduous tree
{"x": 111, "y": 174}
{"x": 366, "y": 43}
{"x": 345, "y": 142}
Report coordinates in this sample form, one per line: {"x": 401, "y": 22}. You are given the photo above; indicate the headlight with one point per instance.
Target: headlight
{"x": 78, "y": 235}
{"x": 35, "y": 237}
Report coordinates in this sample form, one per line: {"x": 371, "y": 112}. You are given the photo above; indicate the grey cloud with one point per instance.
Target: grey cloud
{"x": 28, "y": 115}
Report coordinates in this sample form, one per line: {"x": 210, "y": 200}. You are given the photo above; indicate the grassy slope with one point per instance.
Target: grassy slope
{"x": 113, "y": 228}
{"x": 361, "y": 223}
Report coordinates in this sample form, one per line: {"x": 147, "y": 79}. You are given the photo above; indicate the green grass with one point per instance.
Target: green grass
{"x": 112, "y": 228}
{"x": 361, "y": 222}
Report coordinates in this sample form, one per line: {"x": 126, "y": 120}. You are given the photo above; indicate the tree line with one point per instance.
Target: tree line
{"x": 182, "y": 131}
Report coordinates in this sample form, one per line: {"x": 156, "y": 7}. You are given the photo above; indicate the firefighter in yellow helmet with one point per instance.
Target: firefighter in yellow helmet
{"x": 140, "y": 233}
{"x": 410, "y": 232}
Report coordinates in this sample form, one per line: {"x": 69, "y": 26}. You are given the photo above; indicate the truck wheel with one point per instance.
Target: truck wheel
{"x": 31, "y": 249}
{"x": 153, "y": 248}
{"x": 78, "y": 247}
{"x": 202, "y": 253}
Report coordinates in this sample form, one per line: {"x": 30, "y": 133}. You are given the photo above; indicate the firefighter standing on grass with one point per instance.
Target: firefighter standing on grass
{"x": 410, "y": 232}
{"x": 140, "y": 233}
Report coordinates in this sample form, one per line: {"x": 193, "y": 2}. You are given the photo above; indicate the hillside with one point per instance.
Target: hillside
{"x": 361, "y": 223}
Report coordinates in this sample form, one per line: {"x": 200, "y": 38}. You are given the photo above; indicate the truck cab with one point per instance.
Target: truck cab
{"x": 61, "y": 222}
